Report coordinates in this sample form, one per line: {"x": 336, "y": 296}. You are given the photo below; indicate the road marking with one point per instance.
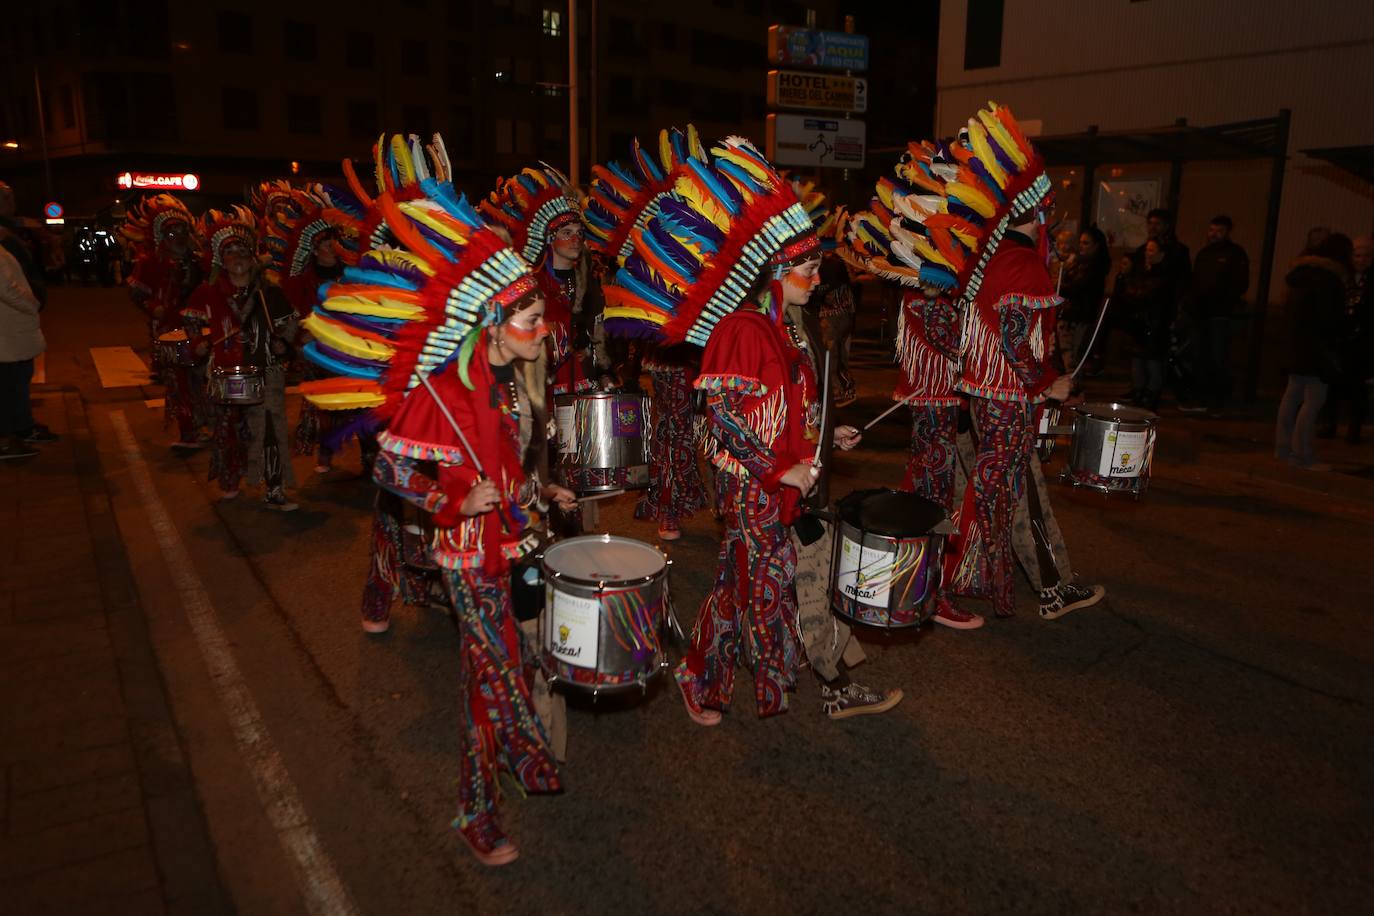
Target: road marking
{"x": 319, "y": 882}
{"x": 119, "y": 367}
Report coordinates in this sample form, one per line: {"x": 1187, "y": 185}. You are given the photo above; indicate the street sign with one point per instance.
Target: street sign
{"x": 52, "y": 210}
{"x": 141, "y": 181}
{"x": 798, "y": 47}
{"x": 836, "y": 143}
{"x": 823, "y": 91}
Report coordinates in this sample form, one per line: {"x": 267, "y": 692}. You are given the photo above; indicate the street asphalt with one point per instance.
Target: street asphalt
{"x": 1198, "y": 742}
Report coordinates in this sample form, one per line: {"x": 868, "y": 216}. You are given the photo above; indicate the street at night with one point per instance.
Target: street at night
{"x": 1199, "y": 741}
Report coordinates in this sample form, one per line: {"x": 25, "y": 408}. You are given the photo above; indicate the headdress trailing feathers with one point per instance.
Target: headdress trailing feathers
{"x": 829, "y": 223}
{"x": 940, "y": 222}
{"x": 269, "y": 195}
{"x": 406, "y": 312}
{"x": 625, "y": 197}
{"x": 146, "y": 223}
{"x": 696, "y": 260}
{"x": 292, "y": 230}
{"x": 221, "y": 227}
{"x": 398, "y": 167}
{"x": 530, "y": 207}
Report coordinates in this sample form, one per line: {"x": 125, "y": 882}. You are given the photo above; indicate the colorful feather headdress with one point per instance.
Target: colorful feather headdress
{"x": 697, "y": 259}
{"x": 406, "y": 312}
{"x": 940, "y": 222}
{"x": 223, "y": 227}
{"x": 530, "y": 207}
{"x": 147, "y": 221}
{"x": 623, "y": 198}
{"x": 829, "y": 223}
{"x": 292, "y": 230}
{"x": 268, "y": 195}
{"x": 399, "y": 165}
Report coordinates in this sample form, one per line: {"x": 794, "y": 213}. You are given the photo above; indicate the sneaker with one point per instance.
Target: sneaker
{"x": 669, "y": 534}
{"x": 1068, "y": 596}
{"x": 227, "y": 495}
{"x": 16, "y": 449}
{"x": 950, "y": 616}
{"x": 695, "y": 711}
{"x": 40, "y": 433}
{"x": 1192, "y": 408}
{"x": 488, "y": 843}
{"x": 376, "y": 626}
{"x": 278, "y": 502}
{"x": 323, "y": 468}
{"x": 857, "y": 700}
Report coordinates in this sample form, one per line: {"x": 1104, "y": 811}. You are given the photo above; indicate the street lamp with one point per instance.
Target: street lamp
{"x": 11, "y": 144}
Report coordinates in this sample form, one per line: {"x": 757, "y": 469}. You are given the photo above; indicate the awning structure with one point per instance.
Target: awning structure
{"x": 1265, "y": 138}
{"x": 1357, "y": 160}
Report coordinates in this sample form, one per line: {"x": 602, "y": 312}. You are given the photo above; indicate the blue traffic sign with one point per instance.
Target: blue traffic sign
{"x": 52, "y": 210}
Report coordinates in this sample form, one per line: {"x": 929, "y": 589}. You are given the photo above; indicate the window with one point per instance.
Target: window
{"x": 503, "y": 136}
{"x": 553, "y": 23}
{"x": 459, "y": 69}
{"x": 300, "y": 41}
{"x": 554, "y": 90}
{"x": 303, "y": 114}
{"x": 240, "y": 108}
{"x": 667, "y": 36}
{"x": 983, "y": 34}
{"x": 622, "y": 37}
{"x": 235, "y": 32}
{"x": 503, "y": 71}
{"x": 360, "y": 50}
{"x": 462, "y": 128}
{"x": 363, "y": 120}
{"x": 415, "y": 120}
{"x": 414, "y": 57}
{"x": 66, "y": 106}
{"x": 123, "y": 106}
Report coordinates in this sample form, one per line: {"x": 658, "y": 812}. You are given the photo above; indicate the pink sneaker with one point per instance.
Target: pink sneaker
{"x": 695, "y": 711}
{"x": 669, "y": 534}
{"x": 376, "y": 626}
{"x": 950, "y": 616}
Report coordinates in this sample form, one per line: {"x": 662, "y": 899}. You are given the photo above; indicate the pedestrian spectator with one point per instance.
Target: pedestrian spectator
{"x": 1216, "y": 292}
{"x": 21, "y": 340}
{"x": 1085, "y": 280}
{"x": 833, "y": 301}
{"x": 1146, "y": 295}
{"x": 1314, "y": 303}
{"x": 13, "y": 240}
{"x": 1315, "y": 236}
{"x": 1351, "y": 388}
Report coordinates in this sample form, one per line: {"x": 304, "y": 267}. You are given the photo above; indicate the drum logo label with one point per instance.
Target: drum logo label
{"x": 627, "y": 424}
{"x": 573, "y": 628}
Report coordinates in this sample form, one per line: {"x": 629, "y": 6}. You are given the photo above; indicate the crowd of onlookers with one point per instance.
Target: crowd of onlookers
{"x": 1176, "y": 314}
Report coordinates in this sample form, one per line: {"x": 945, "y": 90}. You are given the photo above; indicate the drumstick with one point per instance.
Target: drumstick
{"x": 878, "y": 419}
{"x": 1087, "y": 352}
{"x": 595, "y": 496}
{"x": 467, "y": 446}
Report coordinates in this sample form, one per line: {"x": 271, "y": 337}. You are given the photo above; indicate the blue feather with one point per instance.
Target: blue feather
{"x": 714, "y": 185}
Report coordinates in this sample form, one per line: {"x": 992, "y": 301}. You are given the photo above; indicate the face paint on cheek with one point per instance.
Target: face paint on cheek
{"x": 526, "y": 335}
{"x": 799, "y": 282}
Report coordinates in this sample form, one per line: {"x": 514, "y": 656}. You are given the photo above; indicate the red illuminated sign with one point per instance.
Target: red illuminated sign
{"x": 140, "y": 181}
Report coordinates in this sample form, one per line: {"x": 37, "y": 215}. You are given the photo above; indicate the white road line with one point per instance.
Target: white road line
{"x": 319, "y": 882}
{"x": 120, "y": 367}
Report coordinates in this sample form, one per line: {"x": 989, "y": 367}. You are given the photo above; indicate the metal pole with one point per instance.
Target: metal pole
{"x": 593, "y": 93}
{"x": 42, "y": 131}
{"x": 1266, "y": 263}
{"x": 574, "y": 160}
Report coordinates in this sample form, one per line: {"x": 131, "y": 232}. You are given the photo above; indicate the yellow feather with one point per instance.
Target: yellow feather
{"x": 694, "y": 147}
{"x": 747, "y": 163}
{"x": 343, "y": 341}
{"x": 929, "y": 252}
{"x": 999, "y": 135}
{"x": 346, "y": 400}
{"x": 973, "y": 198}
{"x": 702, "y": 202}
{"x": 400, "y": 151}
{"x": 381, "y": 307}
{"x": 979, "y": 140}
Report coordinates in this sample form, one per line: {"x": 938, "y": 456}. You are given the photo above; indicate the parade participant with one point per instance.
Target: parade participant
{"x": 166, "y": 270}
{"x": 474, "y": 311}
{"x": 622, "y": 199}
{"x": 729, "y": 249}
{"x": 309, "y": 242}
{"x": 251, "y": 325}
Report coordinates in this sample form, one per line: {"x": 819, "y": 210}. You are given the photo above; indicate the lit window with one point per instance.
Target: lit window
{"x": 553, "y": 23}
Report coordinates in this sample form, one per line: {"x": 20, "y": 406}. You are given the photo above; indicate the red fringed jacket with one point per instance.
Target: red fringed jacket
{"x": 927, "y": 350}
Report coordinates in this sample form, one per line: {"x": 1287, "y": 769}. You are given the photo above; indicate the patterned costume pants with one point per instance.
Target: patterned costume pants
{"x": 752, "y": 608}
{"x": 396, "y": 563}
{"x": 675, "y": 488}
{"x": 185, "y": 400}
{"x": 980, "y": 565}
{"x": 930, "y": 464}
{"x": 500, "y": 729}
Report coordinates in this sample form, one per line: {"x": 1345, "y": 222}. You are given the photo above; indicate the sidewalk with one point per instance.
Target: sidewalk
{"x": 99, "y": 811}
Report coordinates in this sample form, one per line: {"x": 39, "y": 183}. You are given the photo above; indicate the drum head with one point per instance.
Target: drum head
{"x": 603, "y": 557}
{"x": 1119, "y": 413}
{"x": 890, "y": 513}
{"x": 172, "y": 337}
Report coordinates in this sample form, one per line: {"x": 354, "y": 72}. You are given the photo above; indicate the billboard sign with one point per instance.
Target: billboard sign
{"x": 794, "y": 46}
{"x": 157, "y": 181}
{"x": 836, "y": 143}
{"x": 817, "y": 91}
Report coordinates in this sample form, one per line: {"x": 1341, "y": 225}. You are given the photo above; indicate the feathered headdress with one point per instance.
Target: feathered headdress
{"x": 623, "y": 198}
{"x": 829, "y": 223}
{"x": 530, "y": 207}
{"x": 404, "y": 313}
{"x": 147, "y": 221}
{"x": 268, "y": 195}
{"x": 221, "y": 227}
{"x": 398, "y": 166}
{"x": 940, "y": 222}
{"x": 295, "y": 228}
{"x": 696, "y": 260}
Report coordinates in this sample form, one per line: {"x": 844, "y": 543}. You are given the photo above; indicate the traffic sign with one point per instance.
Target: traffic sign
{"x": 836, "y": 143}
{"x": 52, "y": 210}
{"x": 799, "y": 47}
{"x": 823, "y": 91}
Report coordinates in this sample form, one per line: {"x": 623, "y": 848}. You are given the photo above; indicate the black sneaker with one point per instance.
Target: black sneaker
{"x": 40, "y": 433}
{"x": 278, "y": 502}
{"x": 1068, "y": 596}
{"x": 857, "y": 700}
{"x": 16, "y": 449}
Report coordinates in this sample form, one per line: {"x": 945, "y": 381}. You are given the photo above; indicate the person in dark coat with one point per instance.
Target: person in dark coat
{"x": 1085, "y": 281}
{"x": 1357, "y": 349}
{"x": 1314, "y": 304}
{"x": 1146, "y": 292}
{"x": 1216, "y": 293}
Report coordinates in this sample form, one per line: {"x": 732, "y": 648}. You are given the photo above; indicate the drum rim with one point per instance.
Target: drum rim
{"x": 247, "y": 371}
{"x": 1085, "y": 410}
{"x": 601, "y": 585}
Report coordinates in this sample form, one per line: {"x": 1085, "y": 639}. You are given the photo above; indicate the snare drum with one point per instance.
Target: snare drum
{"x": 887, "y": 563}
{"x": 603, "y": 441}
{"x": 239, "y": 385}
{"x": 174, "y": 349}
{"x": 602, "y": 624}
{"x": 1113, "y": 445}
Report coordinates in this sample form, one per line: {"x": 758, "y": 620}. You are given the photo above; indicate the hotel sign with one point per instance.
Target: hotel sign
{"x": 817, "y": 91}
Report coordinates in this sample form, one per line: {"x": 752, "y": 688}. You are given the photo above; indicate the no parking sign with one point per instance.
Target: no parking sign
{"x": 53, "y": 211}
